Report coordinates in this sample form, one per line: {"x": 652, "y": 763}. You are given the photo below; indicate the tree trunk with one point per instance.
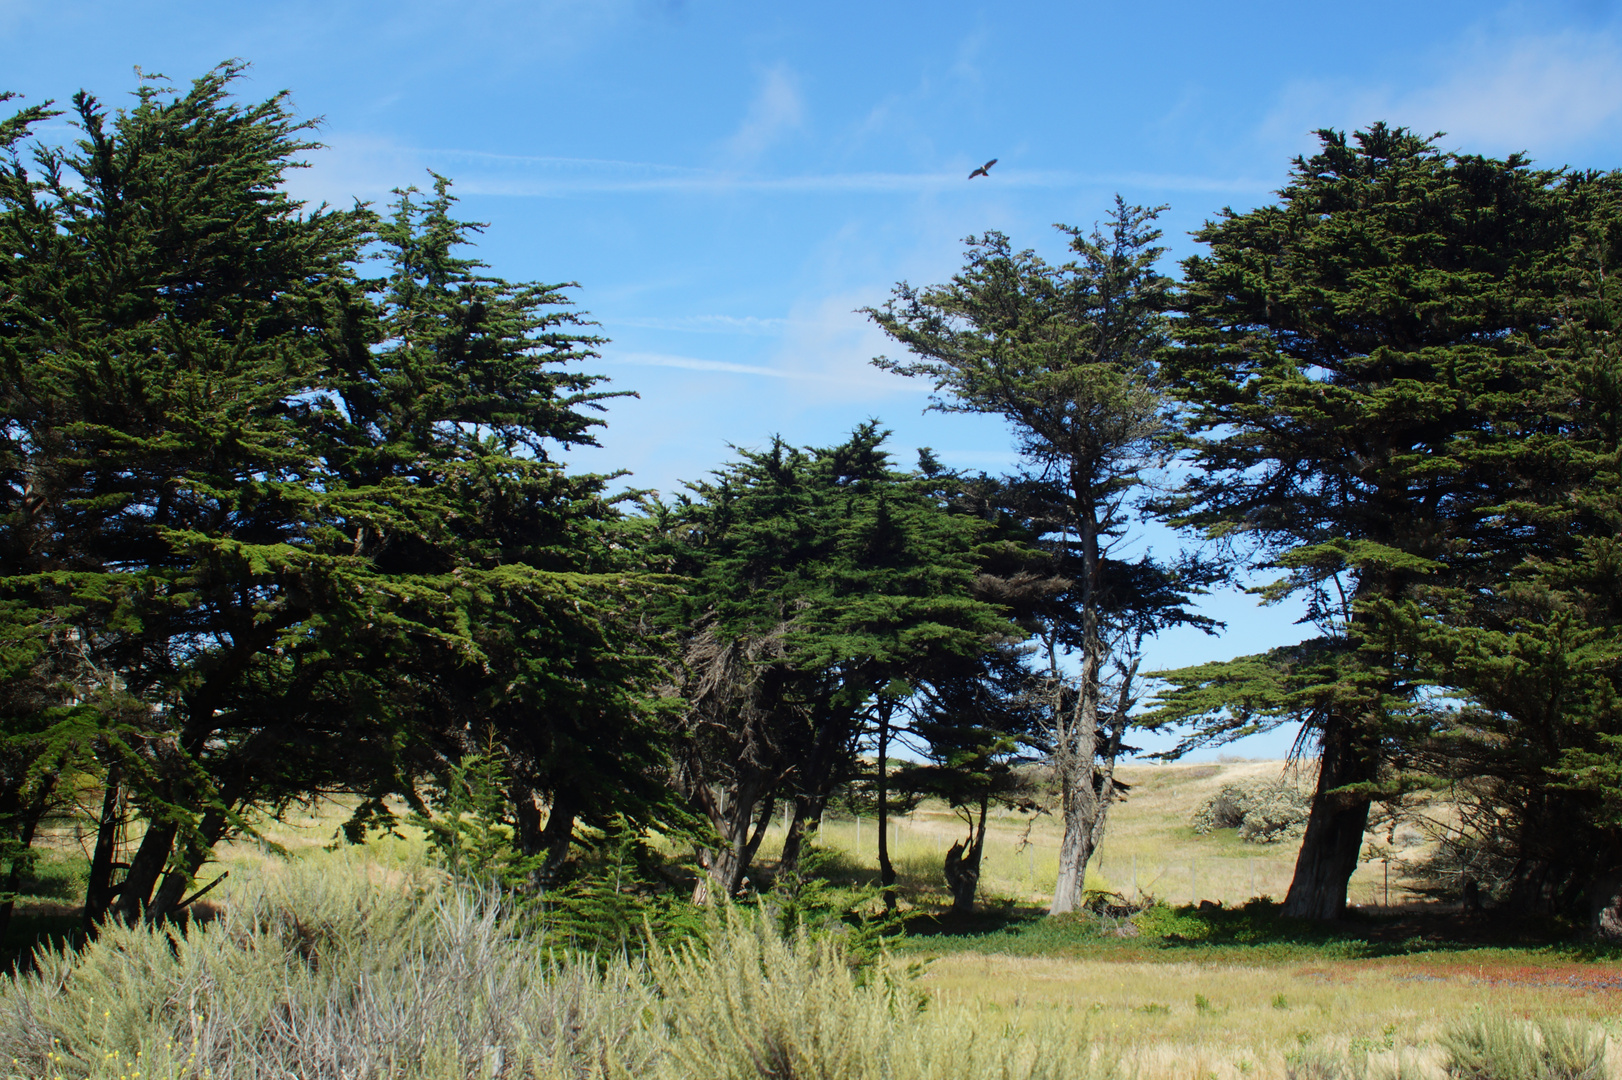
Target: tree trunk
{"x": 1104, "y": 785}
{"x": 816, "y": 781}
{"x": 528, "y": 817}
{"x": 557, "y": 836}
{"x": 25, "y": 838}
{"x": 886, "y": 870}
{"x": 807, "y": 808}
{"x": 726, "y": 865}
{"x": 146, "y": 867}
{"x": 963, "y": 864}
{"x": 1073, "y": 756}
{"x": 172, "y": 889}
{"x": 1335, "y": 825}
{"x": 99, "y": 889}
{"x": 1076, "y": 737}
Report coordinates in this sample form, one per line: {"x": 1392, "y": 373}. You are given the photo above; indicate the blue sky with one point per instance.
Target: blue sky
{"x": 728, "y": 182}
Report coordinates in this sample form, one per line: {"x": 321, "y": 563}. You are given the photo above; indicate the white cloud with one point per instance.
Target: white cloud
{"x": 693, "y": 363}
{"x": 831, "y": 344}
{"x": 777, "y": 109}
{"x": 1491, "y": 95}
{"x": 1548, "y": 91}
{"x": 357, "y": 167}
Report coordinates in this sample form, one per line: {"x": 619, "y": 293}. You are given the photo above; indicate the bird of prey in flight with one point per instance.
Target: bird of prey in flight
{"x": 981, "y": 171}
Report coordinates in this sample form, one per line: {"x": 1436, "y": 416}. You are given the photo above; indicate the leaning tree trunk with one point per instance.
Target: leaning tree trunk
{"x": 171, "y": 891}
{"x": 814, "y": 785}
{"x": 1335, "y": 825}
{"x": 99, "y": 889}
{"x": 145, "y": 869}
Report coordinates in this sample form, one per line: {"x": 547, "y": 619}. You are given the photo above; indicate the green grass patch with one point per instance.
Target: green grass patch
{"x": 56, "y": 876}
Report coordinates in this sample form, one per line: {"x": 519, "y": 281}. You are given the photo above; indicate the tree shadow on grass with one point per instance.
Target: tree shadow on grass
{"x": 1255, "y": 932}
{"x": 40, "y": 925}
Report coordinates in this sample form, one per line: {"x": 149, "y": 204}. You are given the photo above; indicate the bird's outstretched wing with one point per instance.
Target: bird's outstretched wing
{"x": 982, "y": 170}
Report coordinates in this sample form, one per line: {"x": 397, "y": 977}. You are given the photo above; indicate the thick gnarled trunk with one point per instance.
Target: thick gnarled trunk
{"x": 740, "y": 829}
{"x": 1335, "y": 826}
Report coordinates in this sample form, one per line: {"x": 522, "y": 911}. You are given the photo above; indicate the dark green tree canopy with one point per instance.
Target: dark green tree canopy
{"x": 309, "y": 519}
{"x": 818, "y": 578}
{"x": 1360, "y": 361}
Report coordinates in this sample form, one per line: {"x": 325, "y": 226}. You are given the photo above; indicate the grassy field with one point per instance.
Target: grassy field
{"x": 1150, "y": 848}
{"x": 1178, "y": 991}
{"x": 1232, "y": 993}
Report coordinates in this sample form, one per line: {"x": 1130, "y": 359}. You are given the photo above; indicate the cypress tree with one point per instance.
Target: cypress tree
{"x": 309, "y": 523}
{"x": 1067, "y": 355}
{"x": 448, "y": 402}
{"x": 1533, "y": 658}
{"x": 819, "y": 579}
{"x": 1359, "y": 358}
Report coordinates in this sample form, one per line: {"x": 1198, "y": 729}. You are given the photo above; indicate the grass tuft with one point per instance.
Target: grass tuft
{"x": 1501, "y": 1048}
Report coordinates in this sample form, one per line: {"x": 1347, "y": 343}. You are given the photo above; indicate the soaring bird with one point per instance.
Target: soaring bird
{"x": 981, "y": 171}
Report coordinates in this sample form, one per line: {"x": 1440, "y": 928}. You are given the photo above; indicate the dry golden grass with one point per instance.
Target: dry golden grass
{"x": 1150, "y": 848}
{"x": 1228, "y": 1018}
{"x": 1191, "y": 1019}
{"x": 1239, "y": 1015}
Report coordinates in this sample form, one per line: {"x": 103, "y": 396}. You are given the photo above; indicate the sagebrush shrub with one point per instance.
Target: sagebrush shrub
{"x": 328, "y": 970}
{"x": 1264, "y": 812}
{"x": 1499, "y": 1048}
{"x": 318, "y": 972}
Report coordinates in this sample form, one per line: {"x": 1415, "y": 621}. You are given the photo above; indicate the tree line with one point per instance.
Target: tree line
{"x": 284, "y": 514}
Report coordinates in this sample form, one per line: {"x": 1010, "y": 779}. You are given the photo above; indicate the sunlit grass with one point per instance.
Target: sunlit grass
{"x": 1255, "y": 1014}
{"x": 1150, "y": 848}
{"x": 1170, "y": 1007}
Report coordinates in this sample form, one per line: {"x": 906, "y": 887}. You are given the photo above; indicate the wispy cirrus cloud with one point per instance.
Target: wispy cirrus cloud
{"x": 706, "y": 324}
{"x": 369, "y": 168}
{"x": 693, "y": 363}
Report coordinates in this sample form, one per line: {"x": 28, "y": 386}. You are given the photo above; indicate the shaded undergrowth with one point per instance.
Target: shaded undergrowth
{"x": 1253, "y": 933}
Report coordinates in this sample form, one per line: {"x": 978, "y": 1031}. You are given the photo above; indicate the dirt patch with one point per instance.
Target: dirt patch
{"x": 1591, "y": 978}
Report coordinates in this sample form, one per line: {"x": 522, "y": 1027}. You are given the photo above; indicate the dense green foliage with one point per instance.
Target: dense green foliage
{"x": 821, "y": 583}
{"x": 285, "y": 514}
{"x": 1365, "y": 363}
{"x": 276, "y": 529}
